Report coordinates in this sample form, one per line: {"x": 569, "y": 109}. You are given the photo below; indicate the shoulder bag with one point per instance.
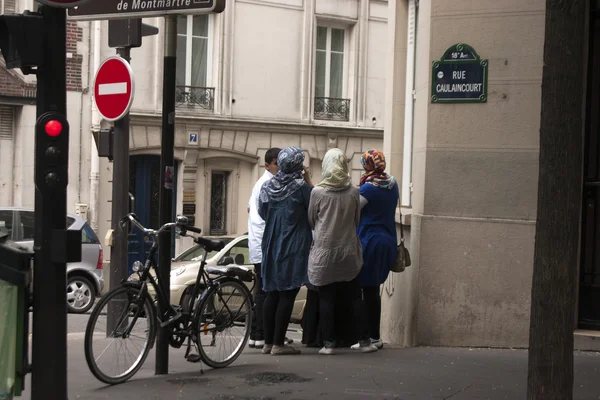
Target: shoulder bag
{"x": 403, "y": 257}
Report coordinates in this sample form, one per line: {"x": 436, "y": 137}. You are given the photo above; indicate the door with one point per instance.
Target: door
{"x": 589, "y": 280}
{"x": 218, "y": 202}
{"x": 144, "y": 184}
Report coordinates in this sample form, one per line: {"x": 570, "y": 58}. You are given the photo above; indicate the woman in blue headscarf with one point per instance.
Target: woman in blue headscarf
{"x": 283, "y": 205}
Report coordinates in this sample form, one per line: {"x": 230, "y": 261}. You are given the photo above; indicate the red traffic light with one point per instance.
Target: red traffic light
{"x": 53, "y": 128}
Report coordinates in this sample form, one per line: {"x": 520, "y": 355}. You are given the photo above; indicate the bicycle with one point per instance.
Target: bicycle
{"x": 199, "y": 319}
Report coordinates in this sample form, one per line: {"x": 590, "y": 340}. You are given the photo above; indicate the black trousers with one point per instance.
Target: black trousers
{"x": 278, "y": 309}
{"x": 373, "y": 309}
{"x": 311, "y": 333}
{"x": 257, "y": 331}
{"x": 345, "y": 330}
{"x": 328, "y": 297}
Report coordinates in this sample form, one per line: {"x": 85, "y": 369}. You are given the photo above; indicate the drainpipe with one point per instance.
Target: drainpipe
{"x": 410, "y": 102}
{"x": 96, "y": 120}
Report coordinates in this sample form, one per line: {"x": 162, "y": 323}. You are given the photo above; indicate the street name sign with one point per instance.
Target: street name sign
{"x": 459, "y": 77}
{"x": 125, "y": 9}
{"x": 114, "y": 88}
{"x": 63, "y": 3}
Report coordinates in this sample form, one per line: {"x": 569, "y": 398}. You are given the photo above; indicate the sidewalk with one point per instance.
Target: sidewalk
{"x": 392, "y": 373}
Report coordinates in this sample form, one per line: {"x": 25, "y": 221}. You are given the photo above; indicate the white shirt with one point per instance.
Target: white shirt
{"x": 256, "y": 225}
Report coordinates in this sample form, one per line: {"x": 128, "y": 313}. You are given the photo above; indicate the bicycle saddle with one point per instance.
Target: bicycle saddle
{"x": 210, "y": 244}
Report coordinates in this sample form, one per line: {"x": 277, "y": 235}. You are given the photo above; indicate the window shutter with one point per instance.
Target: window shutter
{"x": 6, "y": 122}
{"x": 9, "y": 6}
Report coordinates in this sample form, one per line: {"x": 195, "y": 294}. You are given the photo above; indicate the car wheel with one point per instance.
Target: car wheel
{"x": 80, "y": 294}
{"x": 186, "y": 300}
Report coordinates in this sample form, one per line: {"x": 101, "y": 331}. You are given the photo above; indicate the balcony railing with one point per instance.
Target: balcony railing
{"x": 332, "y": 109}
{"x": 195, "y": 97}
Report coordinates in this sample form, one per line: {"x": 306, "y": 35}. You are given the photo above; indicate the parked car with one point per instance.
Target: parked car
{"x": 85, "y": 279}
{"x": 184, "y": 269}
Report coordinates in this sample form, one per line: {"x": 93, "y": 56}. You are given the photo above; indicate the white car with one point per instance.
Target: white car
{"x": 184, "y": 269}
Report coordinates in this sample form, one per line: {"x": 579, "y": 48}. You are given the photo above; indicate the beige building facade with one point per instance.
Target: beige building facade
{"x": 474, "y": 173}
{"x": 475, "y": 199}
{"x": 262, "y": 74}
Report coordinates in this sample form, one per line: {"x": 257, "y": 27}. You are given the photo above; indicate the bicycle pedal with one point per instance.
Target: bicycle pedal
{"x": 194, "y": 358}
{"x": 170, "y": 320}
{"x": 176, "y": 308}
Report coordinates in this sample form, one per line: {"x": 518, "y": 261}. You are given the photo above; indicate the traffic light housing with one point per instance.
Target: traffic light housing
{"x": 52, "y": 139}
{"x": 22, "y": 40}
{"x": 104, "y": 140}
{"x": 106, "y": 143}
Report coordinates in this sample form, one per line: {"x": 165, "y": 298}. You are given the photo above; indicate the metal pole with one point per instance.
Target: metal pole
{"x": 166, "y": 183}
{"x": 119, "y": 266}
{"x": 49, "y": 352}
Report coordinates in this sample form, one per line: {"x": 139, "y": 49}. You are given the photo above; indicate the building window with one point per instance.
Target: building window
{"x": 6, "y": 122}
{"x": 330, "y": 73}
{"x": 8, "y": 6}
{"x": 193, "y": 62}
{"x": 218, "y": 203}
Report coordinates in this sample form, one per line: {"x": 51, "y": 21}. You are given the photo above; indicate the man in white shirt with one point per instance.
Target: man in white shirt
{"x": 256, "y": 228}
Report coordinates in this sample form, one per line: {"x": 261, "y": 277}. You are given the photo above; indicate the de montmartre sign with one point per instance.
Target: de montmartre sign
{"x": 117, "y": 9}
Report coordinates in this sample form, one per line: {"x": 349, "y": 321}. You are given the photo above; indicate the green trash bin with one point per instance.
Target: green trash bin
{"x": 9, "y": 298}
{"x": 15, "y": 277}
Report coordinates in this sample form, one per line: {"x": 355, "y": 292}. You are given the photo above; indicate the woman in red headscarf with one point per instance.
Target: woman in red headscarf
{"x": 377, "y": 233}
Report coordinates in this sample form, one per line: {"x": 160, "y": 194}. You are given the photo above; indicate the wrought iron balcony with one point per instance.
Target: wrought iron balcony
{"x": 332, "y": 109}
{"x": 195, "y": 97}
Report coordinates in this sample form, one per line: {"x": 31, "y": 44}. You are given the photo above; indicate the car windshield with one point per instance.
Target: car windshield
{"x": 196, "y": 252}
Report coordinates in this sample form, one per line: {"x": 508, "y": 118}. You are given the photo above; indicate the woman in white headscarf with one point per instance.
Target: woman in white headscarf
{"x": 335, "y": 258}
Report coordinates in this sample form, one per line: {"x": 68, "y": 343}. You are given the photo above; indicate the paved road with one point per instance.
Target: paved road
{"x": 395, "y": 374}
{"x": 77, "y": 322}
{"x": 398, "y": 374}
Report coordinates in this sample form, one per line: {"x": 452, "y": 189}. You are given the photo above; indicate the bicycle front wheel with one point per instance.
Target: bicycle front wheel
{"x": 119, "y": 335}
{"x": 224, "y": 319}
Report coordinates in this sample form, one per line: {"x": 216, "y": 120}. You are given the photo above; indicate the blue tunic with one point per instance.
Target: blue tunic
{"x": 286, "y": 241}
{"x": 377, "y": 233}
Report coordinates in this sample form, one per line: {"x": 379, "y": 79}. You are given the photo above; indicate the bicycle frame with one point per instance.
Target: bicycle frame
{"x": 162, "y": 298}
{"x": 146, "y": 277}
{"x": 188, "y": 321}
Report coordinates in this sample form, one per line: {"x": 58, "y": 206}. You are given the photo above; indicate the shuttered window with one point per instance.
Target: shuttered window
{"x": 9, "y": 6}
{"x": 6, "y": 122}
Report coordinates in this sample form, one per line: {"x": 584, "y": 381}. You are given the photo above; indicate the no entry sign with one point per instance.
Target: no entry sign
{"x": 113, "y": 88}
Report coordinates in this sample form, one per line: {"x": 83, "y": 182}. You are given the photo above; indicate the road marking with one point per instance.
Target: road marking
{"x": 76, "y": 336}
{"x": 112, "y": 88}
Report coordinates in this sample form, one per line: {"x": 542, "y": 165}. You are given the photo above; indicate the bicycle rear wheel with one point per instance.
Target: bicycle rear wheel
{"x": 115, "y": 354}
{"x": 224, "y": 320}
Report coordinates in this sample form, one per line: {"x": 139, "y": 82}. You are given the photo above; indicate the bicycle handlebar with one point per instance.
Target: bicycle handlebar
{"x": 190, "y": 228}
{"x": 153, "y": 232}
